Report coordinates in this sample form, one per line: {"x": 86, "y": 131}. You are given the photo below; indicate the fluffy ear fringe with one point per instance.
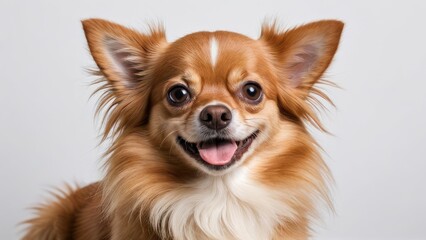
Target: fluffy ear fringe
{"x": 124, "y": 58}
{"x": 301, "y": 56}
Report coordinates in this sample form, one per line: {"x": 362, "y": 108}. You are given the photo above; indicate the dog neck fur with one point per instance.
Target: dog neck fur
{"x": 237, "y": 208}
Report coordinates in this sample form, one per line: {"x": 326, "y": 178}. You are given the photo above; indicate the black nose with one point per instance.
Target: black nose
{"x": 215, "y": 117}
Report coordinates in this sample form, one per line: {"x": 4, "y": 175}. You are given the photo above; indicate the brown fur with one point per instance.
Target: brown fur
{"x": 75, "y": 214}
{"x": 144, "y": 162}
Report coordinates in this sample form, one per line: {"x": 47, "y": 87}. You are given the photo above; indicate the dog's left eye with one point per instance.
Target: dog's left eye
{"x": 178, "y": 96}
{"x": 252, "y": 92}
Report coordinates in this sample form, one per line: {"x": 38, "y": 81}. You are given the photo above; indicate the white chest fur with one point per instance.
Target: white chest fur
{"x": 226, "y": 207}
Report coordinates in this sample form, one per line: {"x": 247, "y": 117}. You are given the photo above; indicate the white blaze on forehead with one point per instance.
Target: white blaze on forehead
{"x": 214, "y": 49}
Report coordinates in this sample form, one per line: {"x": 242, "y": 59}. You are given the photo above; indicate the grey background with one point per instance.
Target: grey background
{"x": 48, "y": 136}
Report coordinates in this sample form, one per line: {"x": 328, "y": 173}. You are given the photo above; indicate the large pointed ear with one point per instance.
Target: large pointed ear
{"x": 303, "y": 54}
{"x": 121, "y": 54}
{"x": 124, "y": 58}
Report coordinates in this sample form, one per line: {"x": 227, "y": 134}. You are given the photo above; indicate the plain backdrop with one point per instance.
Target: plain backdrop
{"x": 48, "y": 135}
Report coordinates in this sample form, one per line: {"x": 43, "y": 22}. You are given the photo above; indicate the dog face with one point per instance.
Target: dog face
{"x": 211, "y": 100}
{"x": 217, "y": 108}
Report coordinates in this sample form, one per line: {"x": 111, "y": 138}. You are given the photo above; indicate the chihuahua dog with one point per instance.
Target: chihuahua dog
{"x": 209, "y": 137}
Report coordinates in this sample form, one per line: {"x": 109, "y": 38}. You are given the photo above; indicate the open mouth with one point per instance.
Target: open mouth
{"x": 217, "y": 153}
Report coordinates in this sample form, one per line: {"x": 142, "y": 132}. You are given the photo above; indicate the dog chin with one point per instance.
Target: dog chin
{"x": 217, "y": 155}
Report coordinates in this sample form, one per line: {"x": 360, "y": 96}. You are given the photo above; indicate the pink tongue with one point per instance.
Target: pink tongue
{"x": 217, "y": 153}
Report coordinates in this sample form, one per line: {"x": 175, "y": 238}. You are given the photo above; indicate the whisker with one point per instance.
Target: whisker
{"x": 257, "y": 118}
{"x": 167, "y": 137}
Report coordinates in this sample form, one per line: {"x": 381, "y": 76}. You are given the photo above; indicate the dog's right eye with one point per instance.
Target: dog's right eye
{"x": 178, "y": 96}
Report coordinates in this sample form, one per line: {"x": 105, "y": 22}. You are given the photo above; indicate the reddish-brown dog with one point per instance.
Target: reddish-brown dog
{"x": 209, "y": 136}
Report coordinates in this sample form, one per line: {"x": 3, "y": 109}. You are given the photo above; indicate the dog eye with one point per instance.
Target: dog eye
{"x": 252, "y": 92}
{"x": 178, "y": 95}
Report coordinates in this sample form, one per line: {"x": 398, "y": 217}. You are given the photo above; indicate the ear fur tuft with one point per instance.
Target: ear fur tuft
{"x": 124, "y": 58}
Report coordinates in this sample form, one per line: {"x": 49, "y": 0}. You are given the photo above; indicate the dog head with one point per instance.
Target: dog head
{"x": 210, "y": 100}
